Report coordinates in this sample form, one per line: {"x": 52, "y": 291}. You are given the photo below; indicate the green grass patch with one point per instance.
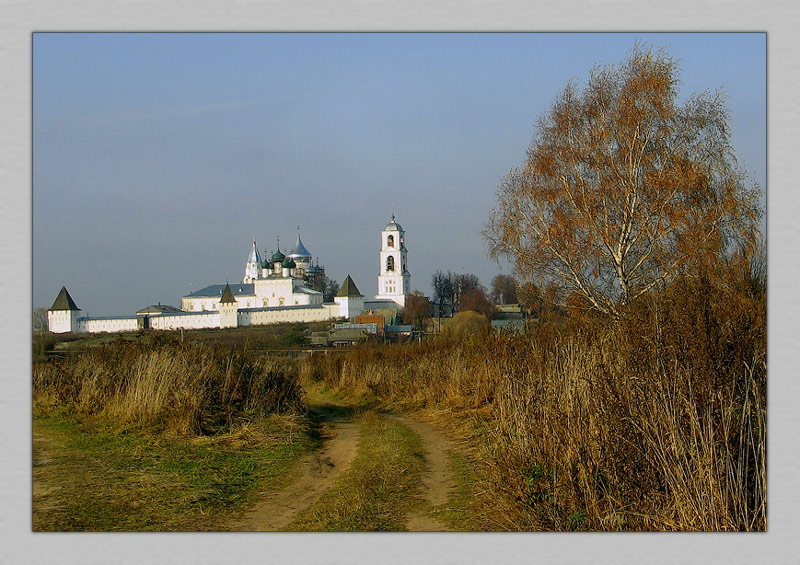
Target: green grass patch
{"x": 458, "y": 511}
{"x": 98, "y": 479}
{"x": 380, "y": 488}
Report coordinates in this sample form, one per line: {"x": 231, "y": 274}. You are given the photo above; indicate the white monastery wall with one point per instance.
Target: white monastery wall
{"x": 187, "y": 321}
{"x": 311, "y": 313}
{"x": 101, "y": 325}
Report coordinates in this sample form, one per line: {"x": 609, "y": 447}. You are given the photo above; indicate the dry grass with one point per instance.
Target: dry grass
{"x": 184, "y": 389}
{"x": 656, "y": 422}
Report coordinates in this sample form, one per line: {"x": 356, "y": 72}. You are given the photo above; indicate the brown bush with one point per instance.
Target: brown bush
{"x": 466, "y": 323}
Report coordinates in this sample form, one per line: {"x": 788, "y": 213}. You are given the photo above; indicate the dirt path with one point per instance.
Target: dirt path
{"x": 42, "y": 457}
{"x": 319, "y": 470}
{"x": 437, "y": 480}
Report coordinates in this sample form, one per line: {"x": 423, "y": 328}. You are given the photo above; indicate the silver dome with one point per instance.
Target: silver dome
{"x": 300, "y": 251}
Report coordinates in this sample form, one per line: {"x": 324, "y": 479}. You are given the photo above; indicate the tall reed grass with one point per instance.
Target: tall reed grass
{"x": 653, "y": 422}
{"x": 179, "y": 388}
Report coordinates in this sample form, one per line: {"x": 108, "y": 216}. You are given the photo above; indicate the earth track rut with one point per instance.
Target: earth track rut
{"x": 437, "y": 480}
{"x": 319, "y": 471}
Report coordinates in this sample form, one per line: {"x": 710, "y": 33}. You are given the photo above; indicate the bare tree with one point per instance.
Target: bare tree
{"x": 417, "y": 310}
{"x": 327, "y": 287}
{"x": 623, "y": 188}
{"x": 331, "y": 289}
{"x": 462, "y": 284}
{"x": 40, "y": 319}
{"x": 475, "y": 300}
{"x": 504, "y": 289}
{"x": 442, "y": 287}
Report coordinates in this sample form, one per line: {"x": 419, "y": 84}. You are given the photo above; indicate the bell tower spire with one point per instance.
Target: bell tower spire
{"x": 394, "y": 280}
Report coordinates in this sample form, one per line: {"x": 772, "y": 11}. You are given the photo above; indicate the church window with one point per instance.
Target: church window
{"x": 390, "y": 263}
{"x": 390, "y": 241}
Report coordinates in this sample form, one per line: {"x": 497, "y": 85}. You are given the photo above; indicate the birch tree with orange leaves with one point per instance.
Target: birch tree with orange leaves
{"x": 623, "y": 188}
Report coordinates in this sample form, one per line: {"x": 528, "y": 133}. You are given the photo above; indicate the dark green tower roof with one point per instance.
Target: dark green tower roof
{"x": 349, "y": 288}
{"x": 227, "y": 296}
{"x": 64, "y": 301}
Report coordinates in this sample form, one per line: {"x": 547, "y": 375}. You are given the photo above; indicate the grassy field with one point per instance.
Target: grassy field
{"x": 170, "y": 436}
{"x": 273, "y": 337}
{"x": 656, "y": 421}
{"x": 131, "y": 436}
{"x": 99, "y": 479}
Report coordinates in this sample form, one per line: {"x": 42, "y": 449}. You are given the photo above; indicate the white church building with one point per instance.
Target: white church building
{"x": 272, "y": 291}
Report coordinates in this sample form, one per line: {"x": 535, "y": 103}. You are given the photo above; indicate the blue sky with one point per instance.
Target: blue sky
{"x": 157, "y": 158}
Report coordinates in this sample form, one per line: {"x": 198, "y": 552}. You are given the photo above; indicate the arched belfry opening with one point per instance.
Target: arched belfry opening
{"x": 394, "y": 279}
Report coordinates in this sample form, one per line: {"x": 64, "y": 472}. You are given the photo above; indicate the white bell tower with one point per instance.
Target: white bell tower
{"x": 394, "y": 279}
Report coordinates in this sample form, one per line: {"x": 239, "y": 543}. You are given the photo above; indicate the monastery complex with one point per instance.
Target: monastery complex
{"x": 273, "y": 290}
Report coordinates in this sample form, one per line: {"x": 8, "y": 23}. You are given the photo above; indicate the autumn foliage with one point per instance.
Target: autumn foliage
{"x": 624, "y": 189}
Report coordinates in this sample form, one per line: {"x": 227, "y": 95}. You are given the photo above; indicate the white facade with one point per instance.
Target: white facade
{"x": 185, "y": 320}
{"x": 273, "y": 292}
{"x": 113, "y": 325}
{"x": 394, "y": 280}
{"x": 62, "y": 321}
{"x": 349, "y": 306}
{"x": 284, "y": 291}
{"x": 312, "y": 313}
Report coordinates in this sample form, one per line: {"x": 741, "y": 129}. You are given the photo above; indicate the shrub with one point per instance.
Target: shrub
{"x": 466, "y": 323}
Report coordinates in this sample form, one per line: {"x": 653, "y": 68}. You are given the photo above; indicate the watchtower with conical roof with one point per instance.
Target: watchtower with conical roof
{"x": 62, "y": 316}
{"x": 394, "y": 280}
{"x": 349, "y": 299}
{"x": 228, "y": 309}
